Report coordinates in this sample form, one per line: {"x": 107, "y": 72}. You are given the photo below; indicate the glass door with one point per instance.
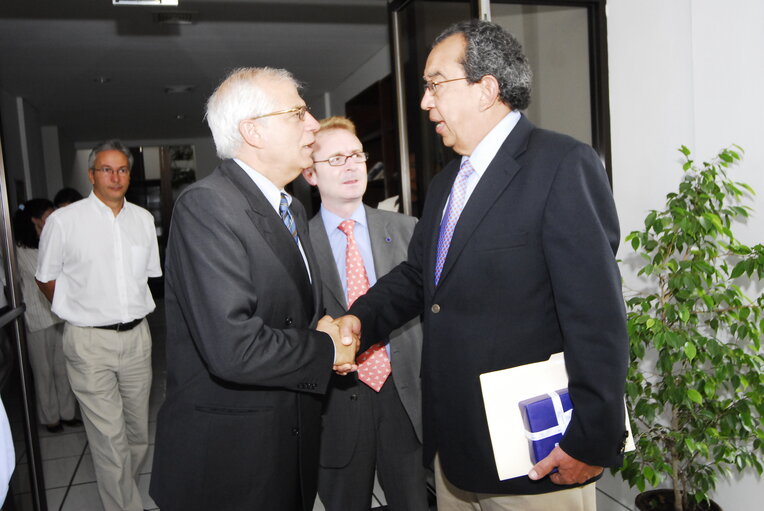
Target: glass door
{"x": 565, "y": 41}
{"x": 27, "y": 488}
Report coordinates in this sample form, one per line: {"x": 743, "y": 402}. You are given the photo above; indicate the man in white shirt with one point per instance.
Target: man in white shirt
{"x": 95, "y": 259}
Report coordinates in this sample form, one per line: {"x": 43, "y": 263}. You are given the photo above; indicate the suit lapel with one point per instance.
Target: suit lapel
{"x": 329, "y": 274}
{"x": 272, "y": 229}
{"x": 301, "y": 220}
{"x": 379, "y": 234}
{"x": 495, "y": 180}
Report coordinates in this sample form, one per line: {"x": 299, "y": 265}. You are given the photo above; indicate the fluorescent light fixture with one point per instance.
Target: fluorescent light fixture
{"x": 144, "y": 2}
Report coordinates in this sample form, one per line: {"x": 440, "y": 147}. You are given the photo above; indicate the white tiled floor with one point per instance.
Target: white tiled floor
{"x": 68, "y": 467}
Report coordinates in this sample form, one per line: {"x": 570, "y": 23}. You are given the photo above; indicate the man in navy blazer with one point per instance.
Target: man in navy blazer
{"x": 513, "y": 260}
{"x": 247, "y": 357}
{"x": 364, "y": 429}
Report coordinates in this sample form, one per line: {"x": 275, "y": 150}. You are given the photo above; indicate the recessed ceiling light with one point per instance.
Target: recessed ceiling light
{"x": 180, "y": 117}
{"x": 178, "y": 89}
{"x": 144, "y": 2}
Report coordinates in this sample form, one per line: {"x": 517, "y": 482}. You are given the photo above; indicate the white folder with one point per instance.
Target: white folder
{"x": 502, "y": 392}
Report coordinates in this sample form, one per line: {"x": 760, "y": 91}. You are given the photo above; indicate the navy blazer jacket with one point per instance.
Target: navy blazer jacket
{"x": 531, "y": 271}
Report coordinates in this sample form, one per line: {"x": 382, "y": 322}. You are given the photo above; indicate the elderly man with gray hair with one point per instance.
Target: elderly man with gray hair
{"x": 95, "y": 259}
{"x": 248, "y": 358}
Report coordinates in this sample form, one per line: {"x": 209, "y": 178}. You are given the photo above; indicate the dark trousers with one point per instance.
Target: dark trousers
{"x": 386, "y": 442}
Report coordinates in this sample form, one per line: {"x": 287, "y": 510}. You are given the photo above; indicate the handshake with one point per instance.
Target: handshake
{"x": 345, "y": 332}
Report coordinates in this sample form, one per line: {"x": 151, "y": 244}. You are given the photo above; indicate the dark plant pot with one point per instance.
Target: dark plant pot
{"x": 663, "y": 500}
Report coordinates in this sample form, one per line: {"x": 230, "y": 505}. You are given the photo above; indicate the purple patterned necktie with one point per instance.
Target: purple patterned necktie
{"x": 455, "y": 205}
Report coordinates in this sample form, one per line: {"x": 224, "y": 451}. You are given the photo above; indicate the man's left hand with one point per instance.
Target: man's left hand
{"x": 569, "y": 469}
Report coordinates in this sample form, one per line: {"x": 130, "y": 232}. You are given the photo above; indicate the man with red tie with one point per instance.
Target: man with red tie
{"x": 371, "y": 420}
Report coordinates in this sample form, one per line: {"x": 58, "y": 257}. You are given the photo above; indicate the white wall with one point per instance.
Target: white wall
{"x": 684, "y": 72}
{"x": 51, "y": 151}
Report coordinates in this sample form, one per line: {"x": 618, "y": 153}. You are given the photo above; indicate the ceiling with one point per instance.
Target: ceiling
{"x": 96, "y": 70}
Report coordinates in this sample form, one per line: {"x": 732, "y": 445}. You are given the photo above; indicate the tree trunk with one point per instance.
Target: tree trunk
{"x": 677, "y": 478}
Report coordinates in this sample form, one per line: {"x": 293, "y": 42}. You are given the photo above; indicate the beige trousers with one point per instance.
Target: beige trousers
{"x": 110, "y": 373}
{"x": 451, "y": 498}
{"x": 55, "y": 400}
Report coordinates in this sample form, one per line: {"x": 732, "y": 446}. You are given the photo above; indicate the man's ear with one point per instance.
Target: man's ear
{"x": 251, "y": 133}
{"x": 489, "y": 92}
{"x": 91, "y": 176}
{"x": 310, "y": 176}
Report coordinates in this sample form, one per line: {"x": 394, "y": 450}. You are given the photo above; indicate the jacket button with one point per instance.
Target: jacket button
{"x": 353, "y": 397}
{"x": 295, "y": 432}
{"x": 288, "y": 321}
{"x": 435, "y": 308}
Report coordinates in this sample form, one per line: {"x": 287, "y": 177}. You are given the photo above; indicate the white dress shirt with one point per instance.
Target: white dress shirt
{"x": 273, "y": 196}
{"x": 38, "y": 315}
{"x": 486, "y": 150}
{"x": 100, "y": 262}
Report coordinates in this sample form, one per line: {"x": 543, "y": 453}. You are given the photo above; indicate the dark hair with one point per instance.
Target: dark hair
{"x": 66, "y": 196}
{"x": 110, "y": 145}
{"x": 491, "y": 50}
{"x": 23, "y": 228}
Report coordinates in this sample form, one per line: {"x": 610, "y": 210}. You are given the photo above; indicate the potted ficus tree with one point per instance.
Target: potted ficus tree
{"x": 695, "y": 389}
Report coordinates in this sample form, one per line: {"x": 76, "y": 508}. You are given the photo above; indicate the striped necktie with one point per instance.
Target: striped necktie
{"x": 286, "y": 216}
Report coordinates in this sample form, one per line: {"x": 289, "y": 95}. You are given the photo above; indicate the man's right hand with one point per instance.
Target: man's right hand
{"x": 346, "y": 346}
{"x": 350, "y": 332}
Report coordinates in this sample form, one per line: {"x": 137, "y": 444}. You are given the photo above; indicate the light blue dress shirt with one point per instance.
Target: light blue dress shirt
{"x": 338, "y": 244}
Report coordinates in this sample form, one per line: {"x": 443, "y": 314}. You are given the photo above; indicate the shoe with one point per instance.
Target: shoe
{"x": 54, "y": 428}
{"x": 72, "y": 423}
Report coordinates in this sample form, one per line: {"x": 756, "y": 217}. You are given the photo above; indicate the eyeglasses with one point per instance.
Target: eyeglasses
{"x": 432, "y": 86}
{"x": 340, "y": 159}
{"x": 122, "y": 171}
{"x": 300, "y": 111}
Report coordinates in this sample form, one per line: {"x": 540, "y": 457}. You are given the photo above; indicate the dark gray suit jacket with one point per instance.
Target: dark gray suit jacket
{"x": 240, "y": 425}
{"x": 531, "y": 271}
{"x": 389, "y": 234}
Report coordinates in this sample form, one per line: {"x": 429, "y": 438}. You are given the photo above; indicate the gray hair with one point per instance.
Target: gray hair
{"x": 110, "y": 145}
{"x": 491, "y": 50}
{"x": 240, "y": 96}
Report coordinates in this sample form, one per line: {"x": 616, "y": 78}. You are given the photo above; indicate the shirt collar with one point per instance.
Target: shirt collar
{"x": 103, "y": 208}
{"x": 332, "y": 221}
{"x": 486, "y": 150}
{"x": 271, "y": 191}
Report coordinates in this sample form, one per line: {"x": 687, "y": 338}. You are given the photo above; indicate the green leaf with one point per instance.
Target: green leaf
{"x": 650, "y": 220}
{"x": 738, "y": 270}
{"x": 690, "y": 350}
{"x": 684, "y": 314}
{"x": 695, "y": 396}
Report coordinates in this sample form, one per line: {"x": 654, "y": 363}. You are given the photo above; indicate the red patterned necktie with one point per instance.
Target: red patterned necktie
{"x": 373, "y": 364}
{"x": 456, "y": 203}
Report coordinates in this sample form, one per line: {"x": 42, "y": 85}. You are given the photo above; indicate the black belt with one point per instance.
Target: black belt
{"x": 122, "y": 327}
